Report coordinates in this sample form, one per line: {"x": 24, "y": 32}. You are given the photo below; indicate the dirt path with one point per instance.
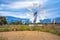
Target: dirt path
{"x": 29, "y": 35}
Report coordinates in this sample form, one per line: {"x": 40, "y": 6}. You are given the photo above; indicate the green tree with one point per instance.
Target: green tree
{"x": 16, "y": 23}
{"x": 3, "y": 20}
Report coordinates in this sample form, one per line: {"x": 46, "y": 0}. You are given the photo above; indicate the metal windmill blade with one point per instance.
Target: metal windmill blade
{"x": 40, "y": 6}
{"x": 41, "y": 16}
{"x": 34, "y": 4}
{"x": 29, "y": 9}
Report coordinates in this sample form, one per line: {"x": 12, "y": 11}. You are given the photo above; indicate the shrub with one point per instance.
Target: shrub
{"x": 34, "y": 28}
{"x": 3, "y": 29}
{"x": 51, "y": 31}
{"x": 23, "y": 28}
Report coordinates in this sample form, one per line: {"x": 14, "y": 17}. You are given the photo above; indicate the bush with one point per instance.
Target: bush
{"x": 50, "y": 31}
{"x": 34, "y": 28}
{"x": 3, "y": 29}
{"x": 23, "y": 28}
{"x": 57, "y": 32}
{"x": 11, "y": 28}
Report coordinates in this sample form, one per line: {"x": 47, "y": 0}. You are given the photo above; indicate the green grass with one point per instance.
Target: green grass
{"x": 3, "y": 29}
{"x": 23, "y": 28}
{"x": 29, "y": 28}
{"x": 50, "y": 31}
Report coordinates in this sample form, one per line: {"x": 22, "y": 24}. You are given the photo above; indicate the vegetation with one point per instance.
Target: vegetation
{"x": 29, "y": 28}
{"x": 3, "y": 20}
{"x": 3, "y": 29}
{"x": 50, "y": 31}
{"x": 16, "y": 23}
{"x": 2, "y": 38}
{"x": 15, "y": 26}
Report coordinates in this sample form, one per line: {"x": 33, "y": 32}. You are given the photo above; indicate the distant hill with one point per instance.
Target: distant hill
{"x": 45, "y": 21}
{"x": 57, "y": 20}
{"x": 14, "y": 19}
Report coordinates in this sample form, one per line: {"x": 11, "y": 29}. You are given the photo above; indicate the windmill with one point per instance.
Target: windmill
{"x": 35, "y": 12}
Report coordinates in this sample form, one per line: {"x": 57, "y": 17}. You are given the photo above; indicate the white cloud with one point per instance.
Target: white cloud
{"x": 3, "y": 13}
{"x": 23, "y": 4}
{"x": 42, "y": 17}
{"x": 1, "y": 8}
{"x": 13, "y": 14}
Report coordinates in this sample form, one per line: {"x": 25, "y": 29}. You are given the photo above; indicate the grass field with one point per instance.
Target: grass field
{"x": 45, "y": 28}
{"x": 49, "y": 28}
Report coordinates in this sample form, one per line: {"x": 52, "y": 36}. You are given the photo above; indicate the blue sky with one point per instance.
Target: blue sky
{"x": 26, "y": 8}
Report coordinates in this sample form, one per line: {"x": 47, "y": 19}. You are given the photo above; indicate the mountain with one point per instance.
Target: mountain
{"x": 45, "y": 21}
{"x": 14, "y": 19}
{"x": 57, "y": 20}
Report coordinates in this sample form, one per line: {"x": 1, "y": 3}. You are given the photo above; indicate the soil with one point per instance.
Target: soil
{"x": 29, "y": 35}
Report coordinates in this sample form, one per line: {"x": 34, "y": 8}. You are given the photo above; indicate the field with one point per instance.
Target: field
{"x": 26, "y": 32}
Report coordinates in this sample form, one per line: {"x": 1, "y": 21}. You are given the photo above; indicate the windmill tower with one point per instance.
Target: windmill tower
{"x": 35, "y": 17}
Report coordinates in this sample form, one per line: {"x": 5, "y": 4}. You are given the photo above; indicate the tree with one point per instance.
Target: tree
{"x": 3, "y": 20}
{"x": 16, "y": 23}
{"x": 19, "y": 22}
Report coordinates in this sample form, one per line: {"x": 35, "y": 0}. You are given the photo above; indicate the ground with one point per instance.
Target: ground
{"x": 29, "y": 35}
